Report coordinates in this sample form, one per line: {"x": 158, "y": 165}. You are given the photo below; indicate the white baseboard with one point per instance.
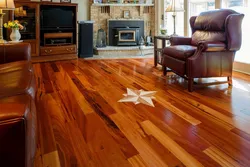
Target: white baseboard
{"x": 242, "y": 67}
{"x": 241, "y": 71}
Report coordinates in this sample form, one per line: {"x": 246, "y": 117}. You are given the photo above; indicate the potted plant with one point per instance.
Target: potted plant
{"x": 15, "y": 35}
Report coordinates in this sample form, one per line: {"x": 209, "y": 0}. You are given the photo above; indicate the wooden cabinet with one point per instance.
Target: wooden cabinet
{"x": 28, "y": 15}
{"x": 55, "y": 50}
{"x": 46, "y": 41}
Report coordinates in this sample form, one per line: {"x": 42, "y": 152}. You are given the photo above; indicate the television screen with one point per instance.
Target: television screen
{"x": 55, "y": 16}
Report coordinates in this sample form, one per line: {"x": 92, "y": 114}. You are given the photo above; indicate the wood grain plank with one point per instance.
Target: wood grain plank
{"x": 243, "y": 125}
{"x": 226, "y": 141}
{"x": 54, "y": 67}
{"x": 46, "y": 138}
{"x": 137, "y": 161}
{"x": 46, "y": 79}
{"x": 38, "y": 160}
{"x": 163, "y": 153}
{"x": 241, "y": 134}
{"x": 51, "y": 159}
{"x": 105, "y": 148}
{"x": 136, "y": 136}
{"x": 220, "y": 157}
{"x": 60, "y": 121}
{"x": 171, "y": 145}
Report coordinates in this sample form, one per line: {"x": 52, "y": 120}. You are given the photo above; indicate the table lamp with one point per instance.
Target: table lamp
{"x": 174, "y": 7}
{"x": 4, "y": 5}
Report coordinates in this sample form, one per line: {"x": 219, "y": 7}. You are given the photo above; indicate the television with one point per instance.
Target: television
{"x": 57, "y": 17}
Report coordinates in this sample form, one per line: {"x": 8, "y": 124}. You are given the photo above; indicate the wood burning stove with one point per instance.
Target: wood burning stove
{"x": 122, "y": 29}
{"x": 128, "y": 36}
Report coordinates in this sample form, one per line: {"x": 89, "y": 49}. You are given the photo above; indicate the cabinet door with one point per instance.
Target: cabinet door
{"x": 28, "y": 15}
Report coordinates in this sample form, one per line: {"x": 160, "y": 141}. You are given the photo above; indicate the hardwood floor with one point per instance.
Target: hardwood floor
{"x": 81, "y": 123}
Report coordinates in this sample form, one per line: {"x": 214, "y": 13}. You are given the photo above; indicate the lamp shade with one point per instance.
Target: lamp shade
{"x": 175, "y": 6}
{"x": 7, "y": 4}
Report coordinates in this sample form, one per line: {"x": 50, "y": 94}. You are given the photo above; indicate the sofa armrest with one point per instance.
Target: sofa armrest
{"x": 18, "y": 131}
{"x": 204, "y": 46}
{"x": 180, "y": 40}
{"x": 15, "y": 52}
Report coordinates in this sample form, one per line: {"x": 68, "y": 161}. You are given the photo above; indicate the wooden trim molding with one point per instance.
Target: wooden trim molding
{"x": 242, "y": 67}
{"x": 246, "y": 3}
{"x": 186, "y": 18}
{"x": 218, "y": 4}
{"x": 157, "y": 16}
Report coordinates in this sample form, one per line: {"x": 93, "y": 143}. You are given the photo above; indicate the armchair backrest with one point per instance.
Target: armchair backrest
{"x": 222, "y": 25}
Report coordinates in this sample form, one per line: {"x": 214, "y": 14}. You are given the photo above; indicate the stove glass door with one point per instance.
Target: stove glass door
{"x": 127, "y": 36}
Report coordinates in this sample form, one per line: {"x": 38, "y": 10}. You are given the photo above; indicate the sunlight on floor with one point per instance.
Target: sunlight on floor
{"x": 237, "y": 85}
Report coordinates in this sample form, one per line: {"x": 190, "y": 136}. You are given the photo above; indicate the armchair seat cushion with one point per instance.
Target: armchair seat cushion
{"x": 181, "y": 52}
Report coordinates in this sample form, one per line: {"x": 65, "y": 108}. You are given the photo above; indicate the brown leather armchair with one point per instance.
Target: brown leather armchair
{"x": 210, "y": 52}
{"x": 17, "y": 107}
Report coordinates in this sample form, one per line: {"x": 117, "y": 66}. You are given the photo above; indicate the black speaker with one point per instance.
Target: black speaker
{"x": 85, "y": 39}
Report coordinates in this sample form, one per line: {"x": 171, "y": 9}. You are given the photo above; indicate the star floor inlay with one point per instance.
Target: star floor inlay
{"x": 139, "y": 96}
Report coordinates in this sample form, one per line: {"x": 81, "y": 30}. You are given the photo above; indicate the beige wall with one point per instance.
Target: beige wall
{"x": 83, "y": 9}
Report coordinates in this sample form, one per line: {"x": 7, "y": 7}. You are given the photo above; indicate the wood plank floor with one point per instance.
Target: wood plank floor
{"x": 82, "y": 124}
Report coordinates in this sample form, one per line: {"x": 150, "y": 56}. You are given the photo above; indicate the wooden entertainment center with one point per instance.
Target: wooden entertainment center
{"x": 54, "y": 39}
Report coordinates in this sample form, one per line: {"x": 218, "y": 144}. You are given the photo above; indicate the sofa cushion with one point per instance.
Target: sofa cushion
{"x": 15, "y": 66}
{"x": 16, "y": 79}
{"x": 181, "y": 52}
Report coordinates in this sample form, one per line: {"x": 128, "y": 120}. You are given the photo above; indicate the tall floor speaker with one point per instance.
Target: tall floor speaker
{"x": 85, "y": 39}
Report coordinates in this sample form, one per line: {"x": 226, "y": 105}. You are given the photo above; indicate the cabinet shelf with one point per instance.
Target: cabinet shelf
{"x": 27, "y": 32}
{"x": 120, "y": 4}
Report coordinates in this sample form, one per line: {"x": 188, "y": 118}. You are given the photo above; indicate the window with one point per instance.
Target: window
{"x": 233, "y": 3}
{"x": 168, "y": 18}
{"x": 198, "y": 6}
{"x": 241, "y": 6}
{"x": 195, "y": 7}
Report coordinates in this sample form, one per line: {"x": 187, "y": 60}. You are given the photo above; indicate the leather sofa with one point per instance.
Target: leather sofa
{"x": 17, "y": 106}
{"x": 210, "y": 51}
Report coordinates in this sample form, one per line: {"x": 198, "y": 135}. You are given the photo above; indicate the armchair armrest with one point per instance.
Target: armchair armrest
{"x": 234, "y": 32}
{"x": 15, "y": 52}
{"x": 180, "y": 40}
{"x": 207, "y": 59}
{"x": 204, "y": 46}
